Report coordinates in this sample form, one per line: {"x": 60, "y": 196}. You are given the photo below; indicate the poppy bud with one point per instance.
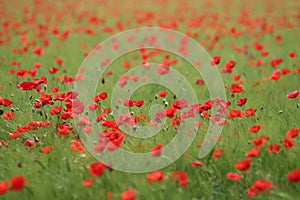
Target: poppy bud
{"x": 166, "y": 104}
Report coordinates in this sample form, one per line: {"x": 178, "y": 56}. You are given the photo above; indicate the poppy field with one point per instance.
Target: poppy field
{"x": 152, "y": 100}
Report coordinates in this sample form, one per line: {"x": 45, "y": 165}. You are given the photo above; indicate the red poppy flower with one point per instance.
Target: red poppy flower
{"x": 156, "y": 176}
{"x": 196, "y": 163}
{"x": 171, "y": 112}
{"x": 77, "y": 146}
{"x": 4, "y": 187}
{"x": 216, "y": 60}
{"x": 217, "y": 153}
{"x": 236, "y": 88}
{"x": 38, "y": 51}
{"x": 292, "y": 54}
{"x": 37, "y": 65}
{"x": 253, "y": 153}
{"x": 274, "y": 148}
{"x": 56, "y": 110}
{"x": 251, "y": 192}
{"x": 139, "y": 103}
{"x": 93, "y": 106}
{"x": 260, "y": 142}
{"x": 250, "y": 112}
{"x": 200, "y": 82}
{"x": 230, "y": 64}
{"x": 293, "y": 94}
{"x": 29, "y": 143}
{"x": 9, "y": 116}
{"x": 110, "y": 124}
{"x": 294, "y": 175}
{"x": 180, "y": 104}
{"x": 22, "y": 73}
{"x": 129, "y": 102}
{"x": 59, "y": 61}
{"x": 275, "y": 62}
{"x": 128, "y": 195}
{"x": 97, "y": 169}
{"x": 88, "y": 182}
{"x": 243, "y": 165}
{"x": 181, "y": 178}
{"x": 5, "y": 102}
{"x": 262, "y": 185}
{"x": 157, "y": 150}
{"x": 46, "y": 99}
{"x": 17, "y": 183}
{"x": 275, "y": 76}
{"x": 100, "y": 97}
{"x": 162, "y": 94}
{"x": 285, "y": 71}
{"x": 235, "y": 113}
{"x": 242, "y": 101}
{"x": 236, "y": 77}
{"x": 163, "y": 69}
{"x": 47, "y": 149}
{"x": 54, "y": 90}
{"x": 288, "y": 143}
{"x": 208, "y": 105}
{"x": 293, "y": 132}
{"x": 33, "y": 72}
{"x": 115, "y": 140}
{"x": 255, "y": 128}
{"x": 26, "y": 85}
{"x": 234, "y": 176}
{"x": 14, "y": 135}
{"x": 53, "y": 70}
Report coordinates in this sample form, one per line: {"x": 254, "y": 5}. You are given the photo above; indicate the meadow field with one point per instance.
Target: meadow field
{"x": 149, "y": 100}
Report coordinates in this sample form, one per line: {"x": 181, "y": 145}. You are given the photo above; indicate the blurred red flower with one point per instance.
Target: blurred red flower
{"x": 253, "y": 153}
{"x": 88, "y": 182}
{"x": 97, "y": 168}
{"x": 234, "y": 176}
{"x": 288, "y": 143}
{"x": 216, "y": 60}
{"x": 162, "y": 94}
{"x": 181, "y": 178}
{"x": 242, "y": 101}
{"x": 255, "y": 128}
{"x": 17, "y": 183}
{"x": 156, "y": 176}
{"x": 9, "y": 116}
{"x": 157, "y": 150}
{"x": 243, "y": 165}
{"x": 274, "y": 148}
{"x": 294, "y": 175}
{"x": 293, "y": 94}
{"x": 196, "y": 163}
{"x": 128, "y": 195}
{"x": 218, "y": 153}
{"x": 4, "y": 187}
{"x": 293, "y": 132}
